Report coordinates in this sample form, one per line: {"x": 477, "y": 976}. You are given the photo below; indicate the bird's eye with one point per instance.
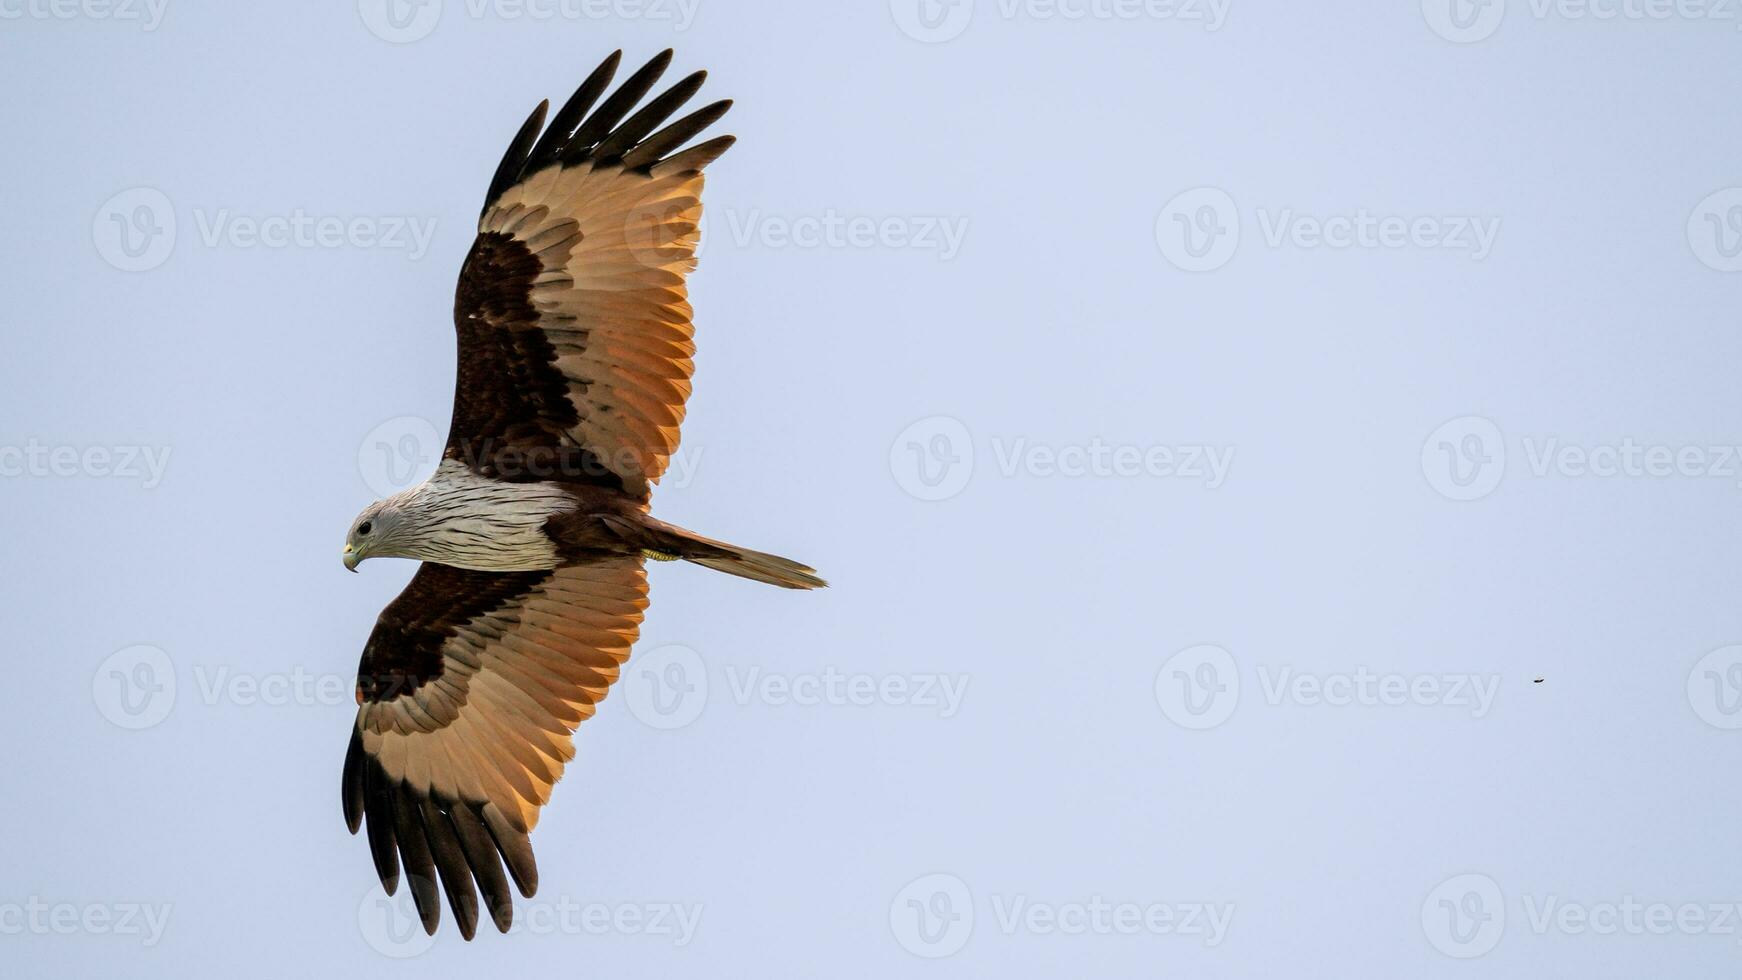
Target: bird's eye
{"x": 363, "y": 528}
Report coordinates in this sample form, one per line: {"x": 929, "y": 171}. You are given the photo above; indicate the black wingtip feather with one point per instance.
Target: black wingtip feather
{"x": 514, "y": 161}
{"x": 516, "y": 849}
{"x": 582, "y": 133}
{"x": 569, "y": 117}
{"x": 598, "y": 126}
{"x": 450, "y": 861}
{"x": 378, "y": 806}
{"x": 646, "y": 155}
{"x": 630, "y": 132}
{"x": 480, "y": 854}
{"x": 420, "y": 871}
{"x": 462, "y": 844}
{"x": 351, "y": 783}
{"x": 698, "y": 156}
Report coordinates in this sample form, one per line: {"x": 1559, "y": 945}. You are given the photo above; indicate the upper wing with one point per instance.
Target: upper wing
{"x": 573, "y": 319}
{"x": 469, "y": 689}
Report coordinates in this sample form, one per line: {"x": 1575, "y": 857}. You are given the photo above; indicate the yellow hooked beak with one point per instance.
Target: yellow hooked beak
{"x": 352, "y": 556}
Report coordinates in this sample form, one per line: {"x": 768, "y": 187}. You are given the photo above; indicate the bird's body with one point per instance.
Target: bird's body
{"x": 575, "y": 346}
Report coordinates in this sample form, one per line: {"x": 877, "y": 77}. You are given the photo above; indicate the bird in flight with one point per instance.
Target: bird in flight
{"x": 574, "y": 362}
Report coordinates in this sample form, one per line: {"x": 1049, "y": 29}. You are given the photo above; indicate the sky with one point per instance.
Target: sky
{"x": 1277, "y": 466}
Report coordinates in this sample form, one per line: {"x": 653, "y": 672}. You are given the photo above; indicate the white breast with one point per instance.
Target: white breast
{"x": 470, "y": 521}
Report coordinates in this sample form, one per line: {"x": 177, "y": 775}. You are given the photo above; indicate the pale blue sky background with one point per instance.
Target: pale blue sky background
{"x": 947, "y": 236}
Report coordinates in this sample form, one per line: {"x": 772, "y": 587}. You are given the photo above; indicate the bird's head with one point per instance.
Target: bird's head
{"x": 374, "y": 532}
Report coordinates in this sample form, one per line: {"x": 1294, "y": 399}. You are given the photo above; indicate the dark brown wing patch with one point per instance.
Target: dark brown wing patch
{"x": 511, "y": 402}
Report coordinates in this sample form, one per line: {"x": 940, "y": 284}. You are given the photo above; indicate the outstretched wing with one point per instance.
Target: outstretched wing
{"x": 573, "y": 318}
{"x": 469, "y": 689}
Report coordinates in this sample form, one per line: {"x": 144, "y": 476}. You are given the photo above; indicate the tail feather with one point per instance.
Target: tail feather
{"x": 668, "y": 539}
{"x": 773, "y": 569}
